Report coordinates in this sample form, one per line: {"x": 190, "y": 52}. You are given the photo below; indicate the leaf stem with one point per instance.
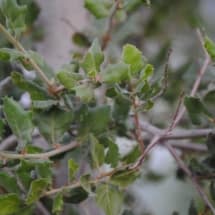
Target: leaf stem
{"x": 20, "y": 48}
{"x": 45, "y": 155}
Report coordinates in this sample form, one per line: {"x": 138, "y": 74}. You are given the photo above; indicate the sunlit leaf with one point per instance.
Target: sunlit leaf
{"x": 57, "y": 203}
{"x": 116, "y": 73}
{"x": 210, "y": 47}
{"x": 10, "y": 204}
{"x": 93, "y": 59}
{"x": 72, "y": 168}
{"x": 133, "y": 57}
{"x": 109, "y": 199}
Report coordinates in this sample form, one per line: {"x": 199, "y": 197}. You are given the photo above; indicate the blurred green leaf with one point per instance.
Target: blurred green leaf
{"x": 192, "y": 209}
{"x": 37, "y": 188}
{"x": 146, "y": 72}
{"x": 68, "y": 76}
{"x": 53, "y": 123}
{"x": 116, "y": 73}
{"x": 72, "y": 168}
{"x": 15, "y": 16}
{"x": 112, "y": 156}
{"x": 84, "y": 92}
{"x": 123, "y": 178}
{"x": 195, "y": 109}
{"x": 95, "y": 119}
{"x": 97, "y": 152}
{"x": 57, "y": 204}
{"x": 109, "y": 199}
{"x": 8, "y": 183}
{"x": 76, "y": 195}
{"x": 210, "y": 47}
{"x": 19, "y": 120}
{"x": 10, "y": 204}
{"x": 132, "y": 156}
{"x": 36, "y": 92}
{"x": 93, "y": 59}
{"x": 8, "y": 54}
{"x": 80, "y": 39}
{"x": 133, "y": 57}
{"x": 98, "y": 8}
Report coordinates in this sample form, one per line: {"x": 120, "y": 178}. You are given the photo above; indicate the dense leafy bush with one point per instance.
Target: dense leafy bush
{"x": 82, "y": 109}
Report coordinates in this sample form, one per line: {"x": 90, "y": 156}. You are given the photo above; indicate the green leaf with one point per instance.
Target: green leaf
{"x": 85, "y": 182}
{"x": 123, "y": 178}
{"x": 116, "y": 73}
{"x": 19, "y": 120}
{"x": 37, "y": 188}
{"x": 97, "y": 152}
{"x": 76, "y": 195}
{"x": 98, "y": 8}
{"x": 212, "y": 190}
{"x": 53, "y": 123}
{"x": 14, "y": 15}
{"x": 210, "y": 47}
{"x": 8, "y": 183}
{"x": 10, "y": 204}
{"x": 95, "y": 119}
{"x": 93, "y": 59}
{"x": 109, "y": 199}
{"x": 192, "y": 209}
{"x": 72, "y": 168}
{"x": 112, "y": 156}
{"x": 68, "y": 76}
{"x": 121, "y": 108}
{"x": 7, "y": 54}
{"x": 36, "y": 92}
{"x": 146, "y": 72}
{"x": 57, "y": 204}
{"x": 84, "y": 92}
{"x": 195, "y": 109}
{"x": 30, "y": 149}
{"x": 132, "y": 156}
{"x": 24, "y": 170}
{"x": 133, "y": 57}
{"x": 44, "y": 170}
{"x": 80, "y": 39}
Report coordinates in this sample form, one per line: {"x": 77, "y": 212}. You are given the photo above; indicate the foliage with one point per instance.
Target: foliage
{"x": 68, "y": 113}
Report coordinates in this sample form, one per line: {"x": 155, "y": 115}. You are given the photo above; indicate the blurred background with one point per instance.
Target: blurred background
{"x": 53, "y": 25}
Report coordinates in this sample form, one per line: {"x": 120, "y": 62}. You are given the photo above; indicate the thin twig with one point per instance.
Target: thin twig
{"x": 11, "y": 156}
{"x": 137, "y": 132}
{"x": 20, "y": 48}
{"x": 107, "y": 35}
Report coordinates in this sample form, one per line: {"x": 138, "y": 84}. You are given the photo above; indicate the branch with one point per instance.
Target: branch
{"x": 107, "y": 35}
{"x": 45, "y": 155}
{"x": 20, "y": 48}
{"x": 199, "y": 76}
{"x": 178, "y": 134}
{"x": 184, "y": 167}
